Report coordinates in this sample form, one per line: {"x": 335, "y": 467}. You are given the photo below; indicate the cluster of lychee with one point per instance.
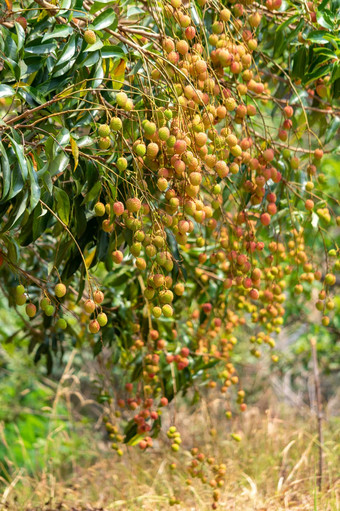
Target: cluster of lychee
{"x": 46, "y": 305}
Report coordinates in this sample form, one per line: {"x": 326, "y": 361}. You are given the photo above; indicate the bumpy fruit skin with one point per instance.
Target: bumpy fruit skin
{"x": 104, "y": 130}
{"x": 140, "y": 150}
{"x": 330, "y": 279}
{"x": 104, "y": 143}
{"x": 22, "y": 21}
{"x": 20, "y": 299}
{"x": 116, "y": 124}
{"x": 107, "y": 226}
{"x": 157, "y": 312}
{"x": 179, "y": 289}
{"x": 117, "y": 256}
{"x": 44, "y": 302}
{"x": 89, "y": 306}
{"x": 118, "y": 208}
{"x": 94, "y": 326}
{"x": 122, "y": 164}
{"x": 60, "y": 290}
{"x": 62, "y": 323}
{"x": 102, "y": 319}
{"x": 31, "y": 310}
{"x": 98, "y": 296}
{"x": 49, "y": 310}
{"x": 121, "y": 99}
{"x": 167, "y": 311}
{"x": 99, "y": 209}
{"x": 133, "y": 205}
{"x": 90, "y": 37}
{"x": 265, "y": 219}
{"x": 20, "y": 289}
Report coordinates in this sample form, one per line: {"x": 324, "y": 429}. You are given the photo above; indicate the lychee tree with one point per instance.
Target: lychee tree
{"x": 162, "y": 188}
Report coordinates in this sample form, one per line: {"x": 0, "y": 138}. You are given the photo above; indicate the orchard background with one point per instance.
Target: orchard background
{"x": 169, "y": 249}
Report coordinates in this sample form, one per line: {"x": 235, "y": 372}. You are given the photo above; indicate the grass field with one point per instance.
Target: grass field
{"x": 273, "y": 467}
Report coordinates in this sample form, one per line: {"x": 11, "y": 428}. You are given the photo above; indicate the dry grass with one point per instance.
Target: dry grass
{"x": 273, "y": 468}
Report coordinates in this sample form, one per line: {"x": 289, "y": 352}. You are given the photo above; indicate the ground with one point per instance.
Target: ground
{"x": 274, "y": 467}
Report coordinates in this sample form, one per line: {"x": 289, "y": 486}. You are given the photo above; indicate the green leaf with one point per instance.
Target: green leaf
{"x": 112, "y": 51}
{"x": 41, "y": 49}
{"x": 19, "y": 151}
{"x": 6, "y": 91}
{"x": 318, "y": 73}
{"x": 96, "y": 46}
{"x": 63, "y": 204}
{"x": 60, "y": 31}
{"x": 58, "y": 164}
{"x": 286, "y": 23}
{"x": 299, "y": 63}
{"x": 34, "y": 187}
{"x": 135, "y": 440}
{"x": 321, "y": 37}
{"x": 93, "y": 193}
{"x": 68, "y": 51}
{"x": 6, "y": 173}
{"x": 106, "y": 19}
{"x": 16, "y": 212}
{"x": 332, "y": 129}
{"x": 324, "y": 20}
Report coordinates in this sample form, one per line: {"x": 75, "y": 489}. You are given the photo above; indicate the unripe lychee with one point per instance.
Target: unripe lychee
{"x": 268, "y": 155}
{"x": 31, "y": 310}
{"x": 129, "y": 105}
{"x": 104, "y": 130}
{"x": 89, "y": 306}
{"x": 117, "y": 256}
{"x": 49, "y": 310}
{"x": 318, "y": 154}
{"x": 20, "y": 299}
{"x": 179, "y": 289}
{"x": 152, "y": 150}
{"x": 61, "y": 323}
{"x": 140, "y": 149}
{"x": 44, "y": 302}
{"x": 98, "y": 296}
{"x": 164, "y": 133}
{"x": 140, "y": 263}
{"x": 116, "y": 124}
{"x": 167, "y": 311}
{"x": 122, "y": 164}
{"x": 102, "y": 319}
{"x": 180, "y": 146}
{"x": 230, "y": 104}
{"x": 288, "y": 111}
{"x": 107, "y": 226}
{"x": 182, "y": 47}
{"x": 330, "y": 279}
{"x": 168, "y": 45}
{"x": 90, "y": 37}
{"x": 94, "y": 326}
{"x": 20, "y": 289}
{"x": 99, "y": 209}
{"x": 121, "y": 99}
{"x": 60, "y": 290}
{"x": 225, "y": 15}
{"x": 104, "y": 143}
{"x": 157, "y": 311}
{"x": 133, "y": 205}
